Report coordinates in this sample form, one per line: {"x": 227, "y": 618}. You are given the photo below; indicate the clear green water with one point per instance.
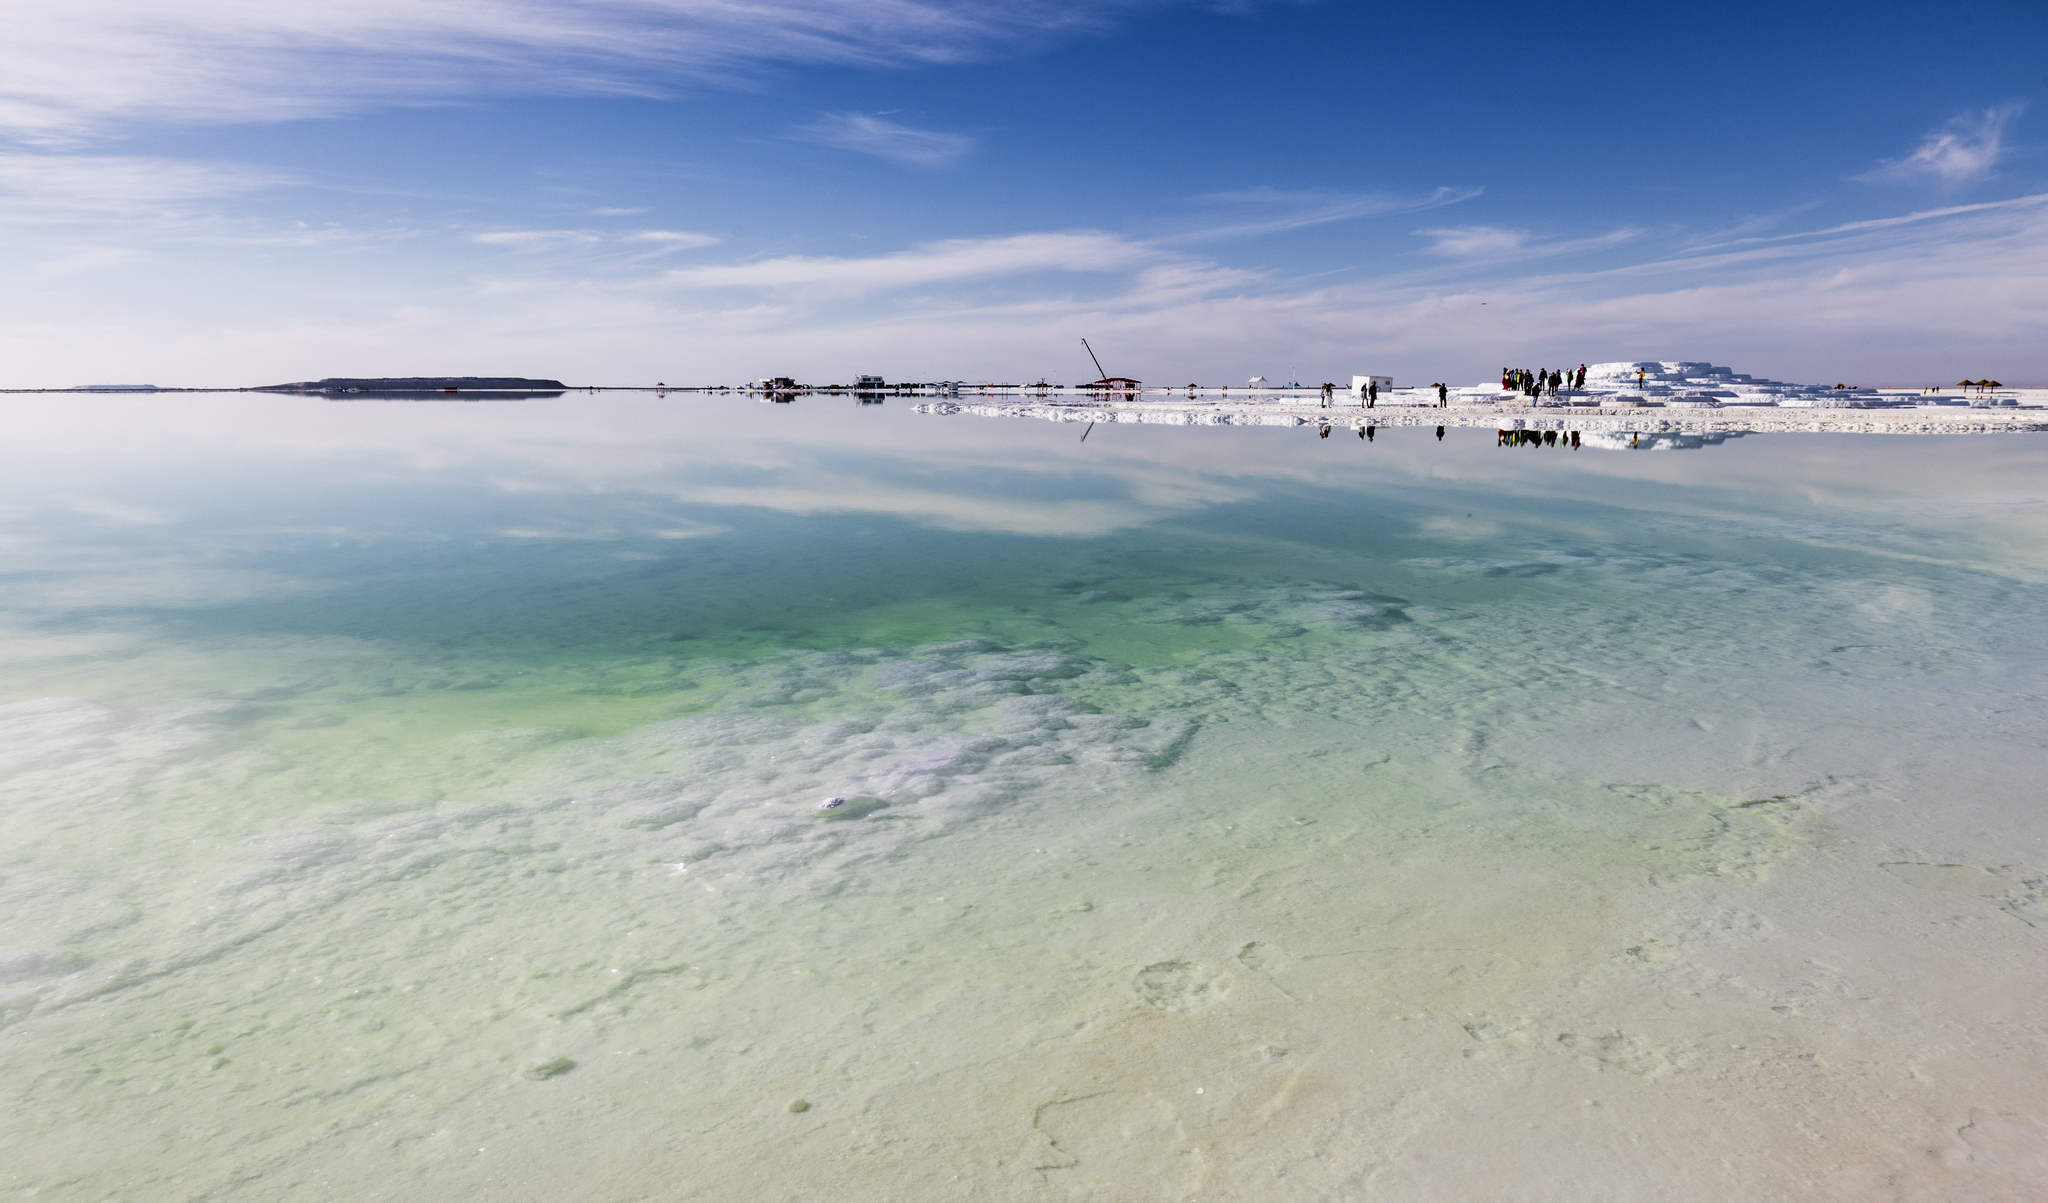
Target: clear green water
{"x": 421, "y": 801}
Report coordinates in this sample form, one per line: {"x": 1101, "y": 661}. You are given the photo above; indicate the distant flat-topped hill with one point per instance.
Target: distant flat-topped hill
{"x": 410, "y": 384}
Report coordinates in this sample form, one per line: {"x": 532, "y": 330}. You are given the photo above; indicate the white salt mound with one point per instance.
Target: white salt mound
{"x": 1692, "y": 384}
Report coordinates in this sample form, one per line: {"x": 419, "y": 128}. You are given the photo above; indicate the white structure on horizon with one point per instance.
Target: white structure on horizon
{"x": 1359, "y": 383}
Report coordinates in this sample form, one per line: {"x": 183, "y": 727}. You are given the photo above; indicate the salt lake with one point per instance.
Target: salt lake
{"x": 425, "y": 801}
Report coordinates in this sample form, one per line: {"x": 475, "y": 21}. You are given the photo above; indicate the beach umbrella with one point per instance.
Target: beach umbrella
{"x": 1990, "y": 384}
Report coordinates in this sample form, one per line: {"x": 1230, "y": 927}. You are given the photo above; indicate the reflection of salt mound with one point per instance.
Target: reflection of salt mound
{"x": 1659, "y": 442}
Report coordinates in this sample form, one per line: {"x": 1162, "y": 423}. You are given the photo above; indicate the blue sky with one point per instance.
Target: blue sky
{"x": 231, "y": 192}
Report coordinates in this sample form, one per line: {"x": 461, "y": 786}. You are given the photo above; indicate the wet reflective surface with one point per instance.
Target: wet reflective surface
{"x": 420, "y": 800}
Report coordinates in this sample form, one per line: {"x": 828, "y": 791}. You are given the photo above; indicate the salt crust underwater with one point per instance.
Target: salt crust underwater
{"x": 1541, "y": 899}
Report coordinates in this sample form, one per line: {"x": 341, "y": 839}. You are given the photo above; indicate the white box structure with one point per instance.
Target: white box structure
{"x": 1358, "y": 383}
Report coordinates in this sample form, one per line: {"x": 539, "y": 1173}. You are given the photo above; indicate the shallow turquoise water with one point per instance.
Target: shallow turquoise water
{"x": 420, "y": 801}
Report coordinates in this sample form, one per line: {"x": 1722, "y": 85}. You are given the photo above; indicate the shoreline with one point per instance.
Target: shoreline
{"x": 1585, "y": 419}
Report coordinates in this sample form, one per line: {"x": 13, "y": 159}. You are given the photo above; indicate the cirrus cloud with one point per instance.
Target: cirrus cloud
{"x": 1499, "y": 242}
{"x": 67, "y": 186}
{"x": 675, "y": 240}
{"x": 1966, "y": 150}
{"x": 535, "y": 240}
{"x": 929, "y": 263}
{"x": 72, "y": 69}
{"x": 885, "y": 139}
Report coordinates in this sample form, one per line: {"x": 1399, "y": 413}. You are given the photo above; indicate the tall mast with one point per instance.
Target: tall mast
{"x": 1099, "y": 373}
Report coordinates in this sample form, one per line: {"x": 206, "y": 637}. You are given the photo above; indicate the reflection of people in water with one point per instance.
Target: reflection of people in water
{"x": 1575, "y": 440}
{"x": 1550, "y": 438}
{"x": 1361, "y": 432}
{"x": 1324, "y": 433}
{"x": 1368, "y": 434}
{"x": 1439, "y": 434}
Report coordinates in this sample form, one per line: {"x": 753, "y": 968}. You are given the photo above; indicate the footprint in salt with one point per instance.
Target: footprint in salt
{"x": 1955, "y": 879}
{"x": 1115, "y": 1145}
{"x": 1634, "y": 1054}
{"x": 1180, "y": 986}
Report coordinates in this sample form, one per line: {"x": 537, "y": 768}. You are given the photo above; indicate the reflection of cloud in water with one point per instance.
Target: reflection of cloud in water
{"x": 948, "y": 509}
{"x": 1658, "y": 442}
{"x": 660, "y": 465}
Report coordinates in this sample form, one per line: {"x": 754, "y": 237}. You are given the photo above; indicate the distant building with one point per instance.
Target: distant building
{"x": 115, "y": 388}
{"x": 868, "y": 382}
{"x": 1359, "y": 383}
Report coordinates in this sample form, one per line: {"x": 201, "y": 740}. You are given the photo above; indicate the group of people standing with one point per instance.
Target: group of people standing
{"x": 1369, "y": 393}
{"x": 1538, "y": 438}
{"x": 1536, "y": 383}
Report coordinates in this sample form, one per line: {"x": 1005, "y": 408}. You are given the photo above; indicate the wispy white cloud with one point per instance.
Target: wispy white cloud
{"x": 675, "y": 240}
{"x": 1266, "y": 210}
{"x": 1468, "y": 241}
{"x": 644, "y": 241}
{"x": 70, "y": 260}
{"x": 870, "y": 135}
{"x": 536, "y": 240}
{"x": 930, "y": 263}
{"x": 1866, "y": 299}
{"x": 67, "y": 186}
{"x": 611, "y": 212}
{"x": 1884, "y": 298}
{"x": 1967, "y": 150}
{"x": 1500, "y": 242}
{"x": 1823, "y": 235}
{"x": 70, "y": 69}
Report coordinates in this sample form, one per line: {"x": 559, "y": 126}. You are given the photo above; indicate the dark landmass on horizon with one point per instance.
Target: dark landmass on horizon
{"x": 411, "y": 384}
